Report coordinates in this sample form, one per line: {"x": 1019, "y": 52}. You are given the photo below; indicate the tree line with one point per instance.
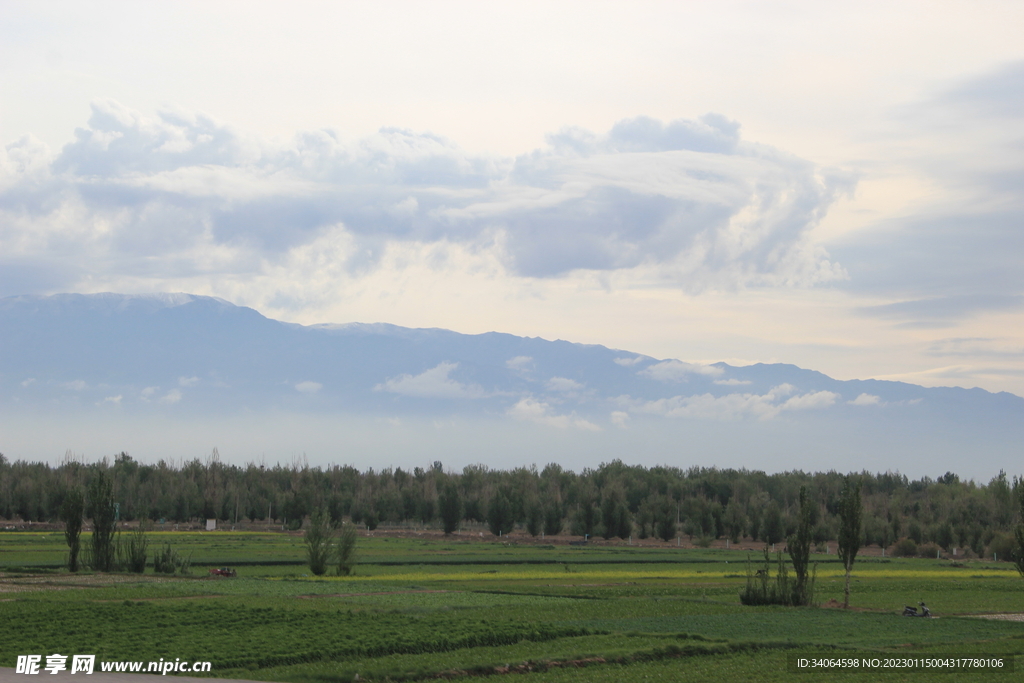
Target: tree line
{"x": 613, "y": 500}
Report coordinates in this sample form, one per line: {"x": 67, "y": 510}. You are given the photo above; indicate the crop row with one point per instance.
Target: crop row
{"x": 232, "y": 635}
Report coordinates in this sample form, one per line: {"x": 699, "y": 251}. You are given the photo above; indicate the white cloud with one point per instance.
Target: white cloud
{"x": 585, "y": 425}
{"x": 147, "y": 393}
{"x": 187, "y": 381}
{"x": 814, "y": 401}
{"x": 76, "y": 385}
{"x": 678, "y": 371}
{"x": 866, "y": 400}
{"x": 732, "y": 382}
{"x": 433, "y": 383}
{"x": 308, "y": 387}
{"x": 620, "y": 418}
{"x": 533, "y": 410}
{"x": 627, "y": 362}
{"x": 519, "y": 363}
{"x": 190, "y": 196}
{"x": 733, "y": 406}
{"x": 564, "y": 385}
{"x": 28, "y": 382}
{"x": 784, "y": 389}
{"x": 113, "y": 400}
{"x": 171, "y": 397}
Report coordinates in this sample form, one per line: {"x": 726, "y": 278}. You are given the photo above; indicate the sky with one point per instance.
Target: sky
{"x": 833, "y": 185}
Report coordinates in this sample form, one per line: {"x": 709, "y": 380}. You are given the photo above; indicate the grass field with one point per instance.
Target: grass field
{"x": 418, "y": 609}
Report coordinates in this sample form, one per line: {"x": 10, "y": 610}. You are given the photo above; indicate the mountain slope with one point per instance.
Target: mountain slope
{"x": 197, "y": 360}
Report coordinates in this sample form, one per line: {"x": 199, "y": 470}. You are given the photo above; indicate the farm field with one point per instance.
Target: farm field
{"x": 418, "y": 609}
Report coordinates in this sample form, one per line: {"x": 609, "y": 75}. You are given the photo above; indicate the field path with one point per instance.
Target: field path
{"x": 8, "y": 676}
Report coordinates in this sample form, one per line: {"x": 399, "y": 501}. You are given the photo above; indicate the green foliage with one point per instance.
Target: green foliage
{"x": 735, "y": 521}
{"x": 585, "y": 521}
{"x": 500, "y": 518}
{"x": 450, "y": 508}
{"x": 712, "y": 502}
{"x": 256, "y": 636}
{"x": 410, "y": 616}
{"x": 318, "y": 541}
{"x": 772, "y": 528}
{"x": 1002, "y": 546}
{"x": 615, "y": 517}
{"x": 665, "y": 520}
{"x": 1018, "y": 532}
{"x": 372, "y": 520}
{"x": 72, "y": 510}
{"x": 534, "y": 517}
{"x": 850, "y": 512}
{"x": 762, "y": 590}
{"x": 553, "y": 520}
{"x": 799, "y": 548}
{"x": 104, "y": 521}
{"x": 905, "y": 547}
{"x": 132, "y": 550}
{"x": 345, "y": 552}
{"x": 168, "y": 561}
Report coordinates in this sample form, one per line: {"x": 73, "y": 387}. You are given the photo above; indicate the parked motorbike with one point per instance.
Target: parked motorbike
{"x": 909, "y": 611}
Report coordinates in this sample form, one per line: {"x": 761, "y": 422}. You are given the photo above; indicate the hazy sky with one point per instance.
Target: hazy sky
{"x": 835, "y": 185}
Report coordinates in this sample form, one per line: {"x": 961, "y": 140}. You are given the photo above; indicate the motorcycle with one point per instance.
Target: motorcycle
{"x": 909, "y": 611}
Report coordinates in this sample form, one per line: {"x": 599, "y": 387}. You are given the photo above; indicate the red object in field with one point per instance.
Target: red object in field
{"x": 223, "y": 571}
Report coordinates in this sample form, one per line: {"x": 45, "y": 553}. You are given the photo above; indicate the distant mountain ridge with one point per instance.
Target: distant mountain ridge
{"x": 183, "y": 355}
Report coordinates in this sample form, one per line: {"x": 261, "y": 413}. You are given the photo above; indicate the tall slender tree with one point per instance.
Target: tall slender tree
{"x": 1018, "y": 532}
{"x": 799, "y": 548}
{"x": 104, "y": 522}
{"x": 71, "y": 512}
{"x": 850, "y": 513}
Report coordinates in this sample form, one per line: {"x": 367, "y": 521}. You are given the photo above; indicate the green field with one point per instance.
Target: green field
{"x": 419, "y": 608}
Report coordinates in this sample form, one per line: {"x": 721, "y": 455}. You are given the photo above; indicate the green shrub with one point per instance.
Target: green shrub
{"x": 346, "y": 549}
{"x": 761, "y": 589}
{"x": 928, "y": 550}
{"x": 168, "y": 561}
{"x": 132, "y": 551}
{"x": 905, "y": 547}
{"x": 1002, "y": 546}
{"x": 318, "y": 541}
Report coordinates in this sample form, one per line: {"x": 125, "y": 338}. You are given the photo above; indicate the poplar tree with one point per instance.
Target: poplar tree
{"x": 71, "y": 512}
{"x": 850, "y": 512}
{"x": 104, "y": 522}
{"x": 799, "y": 548}
{"x": 1018, "y": 532}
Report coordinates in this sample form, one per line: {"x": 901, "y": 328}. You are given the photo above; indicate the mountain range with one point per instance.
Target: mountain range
{"x": 173, "y": 375}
